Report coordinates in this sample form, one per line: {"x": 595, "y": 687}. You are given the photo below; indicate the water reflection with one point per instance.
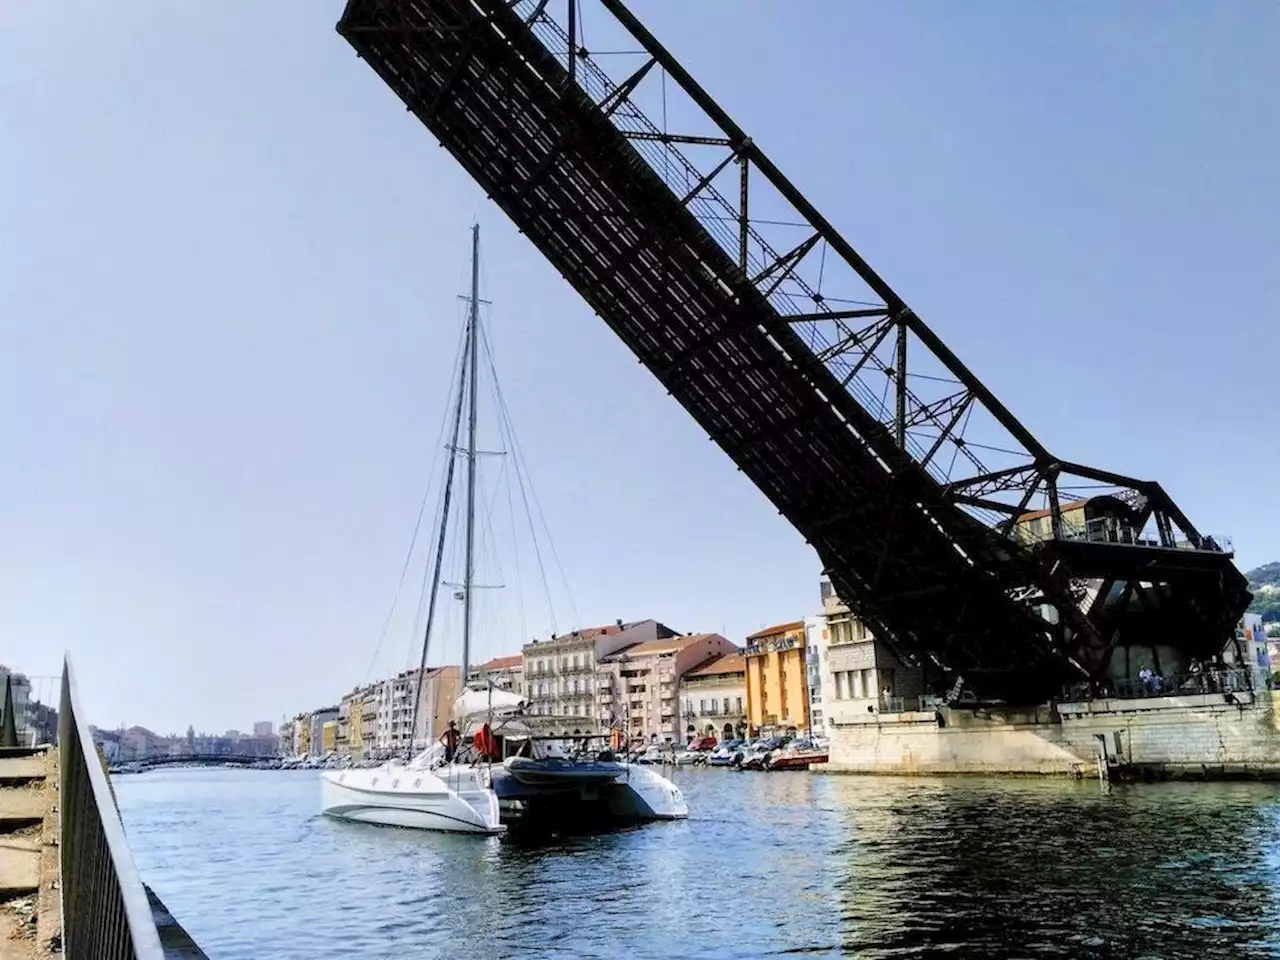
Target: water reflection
{"x": 769, "y": 864}
{"x": 1049, "y": 868}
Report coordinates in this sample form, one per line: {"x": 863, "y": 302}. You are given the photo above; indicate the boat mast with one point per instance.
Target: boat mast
{"x": 467, "y": 349}
{"x": 472, "y": 349}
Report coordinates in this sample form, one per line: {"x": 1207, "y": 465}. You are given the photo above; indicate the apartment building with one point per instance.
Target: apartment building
{"x": 816, "y": 636}
{"x": 317, "y": 745}
{"x": 352, "y": 714}
{"x": 301, "y": 746}
{"x": 777, "y": 679}
{"x": 560, "y": 674}
{"x": 639, "y": 684}
{"x": 858, "y": 673}
{"x": 393, "y": 712}
{"x": 505, "y": 673}
{"x": 713, "y": 697}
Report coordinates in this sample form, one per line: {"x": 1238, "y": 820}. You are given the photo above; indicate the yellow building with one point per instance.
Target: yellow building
{"x": 777, "y": 679}
{"x": 351, "y": 721}
{"x": 355, "y": 729}
{"x": 302, "y": 728}
{"x": 329, "y": 737}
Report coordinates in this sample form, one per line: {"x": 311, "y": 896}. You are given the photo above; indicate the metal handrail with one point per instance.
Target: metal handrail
{"x": 105, "y": 911}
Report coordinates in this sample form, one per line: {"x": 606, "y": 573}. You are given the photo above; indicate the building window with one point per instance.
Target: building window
{"x": 739, "y": 705}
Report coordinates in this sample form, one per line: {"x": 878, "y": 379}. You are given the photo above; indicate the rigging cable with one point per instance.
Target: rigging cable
{"x": 417, "y": 526}
{"x": 527, "y": 491}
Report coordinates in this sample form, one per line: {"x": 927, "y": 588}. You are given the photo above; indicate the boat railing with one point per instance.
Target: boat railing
{"x": 105, "y": 911}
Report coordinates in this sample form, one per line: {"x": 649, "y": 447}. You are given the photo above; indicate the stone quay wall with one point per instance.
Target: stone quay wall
{"x": 1202, "y": 736}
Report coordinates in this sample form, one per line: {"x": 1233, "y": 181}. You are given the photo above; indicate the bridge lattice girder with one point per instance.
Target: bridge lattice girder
{"x": 737, "y": 329}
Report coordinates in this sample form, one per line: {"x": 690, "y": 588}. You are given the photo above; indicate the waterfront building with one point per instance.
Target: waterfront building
{"x": 394, "y": 709}
{"x": 560, "y": 674}
{"x": 1249, "y": 650}
{"x": 858, "y": 673}
{"x": 815, "y": 651}
{"x": 641, "y": 682}
{"x": 713, "y": 697}
{"x": 351, "y": 714}
{"x": 262, "y": 728}
{"x": 777, "y": 680}
{"x": 302, "y": 735}
{"x": 284, "y": 738}
{"x": 369, "y": 729}
{"x": 315, "y": 746}
{"x": 505, "y": 673}
{"x": 329, "y": 737}
{"x": 138, "y": 743}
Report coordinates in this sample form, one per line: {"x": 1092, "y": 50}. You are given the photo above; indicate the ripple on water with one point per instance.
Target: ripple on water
{"x": 768, "y": 864}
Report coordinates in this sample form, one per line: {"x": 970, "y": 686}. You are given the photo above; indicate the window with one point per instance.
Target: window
{"x": 702, "y": 706}
{"x": 575, "y": 686}
{"x": 839, "y": 678}
{"x": 739, "y": 704}
{"x": 726, "y": 704}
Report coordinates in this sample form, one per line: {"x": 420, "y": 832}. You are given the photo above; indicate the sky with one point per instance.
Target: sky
{"x": 229, "y": 265}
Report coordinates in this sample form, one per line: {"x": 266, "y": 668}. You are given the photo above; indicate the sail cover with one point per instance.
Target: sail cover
{"x": 479, "y": 703}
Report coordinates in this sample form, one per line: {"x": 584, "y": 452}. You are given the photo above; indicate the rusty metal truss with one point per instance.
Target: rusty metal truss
{"x": 901, "y": 468}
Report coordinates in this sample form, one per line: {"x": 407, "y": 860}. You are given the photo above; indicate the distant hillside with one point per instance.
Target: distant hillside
{"x": 1267, "y": 575}
{"x": 1265, "y": 584}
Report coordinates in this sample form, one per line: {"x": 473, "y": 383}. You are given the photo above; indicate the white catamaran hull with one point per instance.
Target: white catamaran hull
{"x": 398, "y": 796}
{"x": 653, "y": 796}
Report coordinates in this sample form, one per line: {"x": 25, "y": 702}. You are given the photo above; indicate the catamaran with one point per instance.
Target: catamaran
{"x": 512, "y": 770}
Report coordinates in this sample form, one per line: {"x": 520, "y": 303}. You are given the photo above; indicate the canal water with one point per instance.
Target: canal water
{"x": 767, "y": 864}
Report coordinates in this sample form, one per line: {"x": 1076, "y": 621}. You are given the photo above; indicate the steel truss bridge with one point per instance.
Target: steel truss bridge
{"x": 896, "y": 463}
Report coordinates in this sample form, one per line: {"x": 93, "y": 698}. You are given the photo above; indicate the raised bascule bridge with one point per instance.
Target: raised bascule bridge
{"x": 1006, "y": 572}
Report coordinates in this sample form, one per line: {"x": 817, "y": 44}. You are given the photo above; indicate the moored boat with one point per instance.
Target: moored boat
{"x": 796, "y": 755}
{"x": 454, "y": 799}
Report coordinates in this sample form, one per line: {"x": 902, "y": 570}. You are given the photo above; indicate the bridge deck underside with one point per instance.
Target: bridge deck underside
{"x": 590, "y": 203}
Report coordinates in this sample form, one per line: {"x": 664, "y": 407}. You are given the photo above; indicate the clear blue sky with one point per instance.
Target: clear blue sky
{"x": 229, "y": 262}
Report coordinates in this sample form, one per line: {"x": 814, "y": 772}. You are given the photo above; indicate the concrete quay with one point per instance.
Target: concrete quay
{"x": 1202, "y": 736}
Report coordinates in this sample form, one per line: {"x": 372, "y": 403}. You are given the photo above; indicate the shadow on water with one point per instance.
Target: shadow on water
{"x": 1033, "y": 868}
{"x": 767, "y": 865}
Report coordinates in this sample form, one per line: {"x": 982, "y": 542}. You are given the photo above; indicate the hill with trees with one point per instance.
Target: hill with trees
{"x": 1264, "y": 581}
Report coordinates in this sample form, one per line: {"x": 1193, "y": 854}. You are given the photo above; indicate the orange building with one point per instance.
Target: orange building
{"x": 777, "y": 679}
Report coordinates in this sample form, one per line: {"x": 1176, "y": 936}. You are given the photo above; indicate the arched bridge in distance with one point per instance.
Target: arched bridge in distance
{"x": 1006, "y": 572}
{"x": 194, "y": 760}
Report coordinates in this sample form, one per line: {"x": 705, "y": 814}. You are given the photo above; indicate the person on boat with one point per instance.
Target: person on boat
{"x": 486, "y": 744}
{"x": 450, "y": 738}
